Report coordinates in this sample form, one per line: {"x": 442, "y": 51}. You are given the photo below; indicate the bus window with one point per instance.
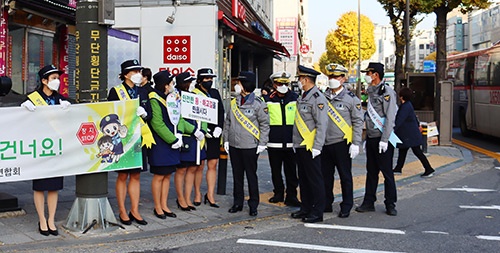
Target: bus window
{"x": 481, "y": 70}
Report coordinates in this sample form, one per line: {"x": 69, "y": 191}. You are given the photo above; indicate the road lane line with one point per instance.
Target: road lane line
{"x": 477, "y": 149}
{"x": 481, "y": 207}
{"x": 435, "y": 232}
{"x": 308, "y": 246}
{"x": 363, "y": 229}
{"x": 465, "y": 189}
{"x": 488, "y": 237}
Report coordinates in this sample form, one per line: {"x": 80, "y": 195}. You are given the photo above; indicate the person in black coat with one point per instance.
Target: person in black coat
{"x": 407, "y": 129}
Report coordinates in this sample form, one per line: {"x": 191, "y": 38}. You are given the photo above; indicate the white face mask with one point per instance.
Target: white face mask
{"x": 136, "y": 79}
{"x": 54, "y": 84}
{"x": 368, "y": 79}
{"x": 301, "y": 86}
{"x": 334, "y": 83}
{"x": 237, "y": 89}
{"x": 192, "y": 86}
{"x": 282, "y": 89}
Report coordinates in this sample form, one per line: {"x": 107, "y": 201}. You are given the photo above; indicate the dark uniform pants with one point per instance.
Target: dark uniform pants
{"x": 376, "y": 163}
{"x": 312, "y": 188}
{"x": 285, "y": 158}
{"x": 244, "y": 161}
{"x": 418, "y": 153}
{"x": 337, "y": 156}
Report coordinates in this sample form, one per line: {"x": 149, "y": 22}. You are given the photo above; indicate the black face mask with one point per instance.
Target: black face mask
{"x": 207, "y": 85}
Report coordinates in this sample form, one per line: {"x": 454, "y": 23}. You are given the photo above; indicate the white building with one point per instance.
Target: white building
{"x": 385, "y": 47}
{"x": 421, "y": 45}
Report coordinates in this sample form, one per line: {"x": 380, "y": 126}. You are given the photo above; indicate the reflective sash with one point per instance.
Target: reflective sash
{"x": 147, "y": 135}
{"x": 37, "y": 99}
{"x": 243, "y": 120}
{"x": 340, "y": 122}
{"x": 304, "y": 131}
{"x": 379, "y": 124}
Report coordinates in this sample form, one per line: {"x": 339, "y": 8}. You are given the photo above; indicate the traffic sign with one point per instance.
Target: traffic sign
{"x": 304, "y": 49}
{"x": 87, "y": 133}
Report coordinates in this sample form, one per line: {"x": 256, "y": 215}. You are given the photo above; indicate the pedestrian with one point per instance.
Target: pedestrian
{"x": 408, "y": 130}
{"x": 282, "y": 106}
{"x": 204, "y": 87}
{"x": 343, "y": 138}
{"x": 192, "y": 151}
{"x": 131, "y": 88}
{"x": 164, "y": 156}
{"x": 246, "y": 133}
{"x": 47, "y": 94}
{"x": 381, "y": 115}
{"x": 309, "y": 132}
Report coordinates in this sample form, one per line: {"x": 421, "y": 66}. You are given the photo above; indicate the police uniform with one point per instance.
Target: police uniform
{"x": 336, "y": 149}
{"x": 311, "y": 107}
{"x": 282, "y": 109}
{"x": 383, "y": 99}
{"x": 243, "y": 145}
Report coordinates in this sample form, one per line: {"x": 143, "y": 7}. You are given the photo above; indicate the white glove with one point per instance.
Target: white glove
{"x": 382, "y": 147}
{"x": 141, "y": 112}
{"x": 315, "y": 153}
{"x": 64, "y": 104}
{"x": 226, "y": 146}
{"x": 178, "y": 143}
{"x": 260, "y": 149}
{"x": 217, "y": 132}
{"x": 29, "y": 106}
{"x": 353, "y": 150}
{"x": 199, "y": 135}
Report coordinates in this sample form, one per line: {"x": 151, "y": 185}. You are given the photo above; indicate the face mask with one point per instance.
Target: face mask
{"x": 334, "y": 83}
{"x": 136, "y": 79}
{"x": 192, "y": 86}
{"x": 54, "y": 84}
{"x": 282, "y": 89}
{"x": 237, "y": 89}
{"x": 322, "y": 88}
{"x": 207, "y": 85}
{"x": 299, "y": 83}
{"x": 368, "y": 79}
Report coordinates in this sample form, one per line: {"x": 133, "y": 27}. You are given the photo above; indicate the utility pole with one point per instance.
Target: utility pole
{"x": 358, "y": 76}
{"x": 407, "y": 38}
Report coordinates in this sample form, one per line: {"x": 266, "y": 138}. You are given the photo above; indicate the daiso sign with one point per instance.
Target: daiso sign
{"x": 177, "y": 49}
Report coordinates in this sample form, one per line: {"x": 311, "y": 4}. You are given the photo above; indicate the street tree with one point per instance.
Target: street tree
{"x": 342, "y": 43}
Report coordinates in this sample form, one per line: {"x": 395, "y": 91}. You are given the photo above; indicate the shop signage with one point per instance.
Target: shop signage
{"x": 177, "y": 49}
{"x": 238, "y": 10}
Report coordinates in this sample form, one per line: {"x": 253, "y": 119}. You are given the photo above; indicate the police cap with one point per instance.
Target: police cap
{"x": 163, "y": 78}
{"x": 280, "y": 77}
{"x": 334, "y": 69}
{"x": 205, "y": 72}
{"x": 109, "y": 119}
{"x": 184, "y": 77}
{"x": 305, "y": 71}
{"x": 130, "y": 65}
{"x": 375, "y": 67}
{"x": 48, "y": 70}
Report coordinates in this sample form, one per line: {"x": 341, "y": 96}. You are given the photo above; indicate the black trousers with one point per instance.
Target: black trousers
{"x": 312, "y": 188}
{"x": 418, "y": 153}
{"x": 375, "y": 163}
{"x": 245, "y": 161}
{"x": 285, "y": 158}
{"x": 337, "y": 156}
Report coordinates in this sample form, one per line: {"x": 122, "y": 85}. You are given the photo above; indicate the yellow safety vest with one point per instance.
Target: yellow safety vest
{"x": 275, "y": 115}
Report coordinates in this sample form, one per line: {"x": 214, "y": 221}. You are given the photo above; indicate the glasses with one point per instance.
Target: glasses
{"x": 280, "y": 84}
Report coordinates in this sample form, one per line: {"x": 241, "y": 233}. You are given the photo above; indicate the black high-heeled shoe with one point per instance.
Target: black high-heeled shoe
{"x": 140, "y": 222}
{"x": 196, "y": 203}
{"x": 181, "y": 207}
{"x": 192, "y": 208}
{"x": 125, "y": 222}
{"x": 52, "y": 232}
{"x": 161, "y": 216}
{"x": 211, "y": 204}
{"x": 43, "y": 232}
{"x": 170, "y": 214}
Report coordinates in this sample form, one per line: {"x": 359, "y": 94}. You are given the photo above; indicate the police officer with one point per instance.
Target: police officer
{"x": 345, "y": 126}
{"x": 309, "y": 131}
{"x": 380, "y": 120}
{"x": 282, "y": 106}
{"x": 245, "y": 134}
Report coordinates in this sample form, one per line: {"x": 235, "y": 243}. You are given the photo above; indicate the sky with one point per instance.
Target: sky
{"x": 323, "y": 16}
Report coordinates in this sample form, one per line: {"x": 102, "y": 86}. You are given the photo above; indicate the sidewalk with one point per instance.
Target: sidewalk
{"x": 19, "y": 229}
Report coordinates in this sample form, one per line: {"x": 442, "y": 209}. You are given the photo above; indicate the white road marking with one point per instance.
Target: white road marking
{"x": 465, "y": 189}
{"x": 435, "y": 232}
{"x": 308, "y": 246}
{"x": 487, "y": 237}
{"x": 492, "y": 207}
{"x": 364, "y": 229}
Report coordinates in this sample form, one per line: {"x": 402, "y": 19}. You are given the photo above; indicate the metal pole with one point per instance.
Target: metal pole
{"x": 358, "y": 76}
{"x": 407, "y": 36}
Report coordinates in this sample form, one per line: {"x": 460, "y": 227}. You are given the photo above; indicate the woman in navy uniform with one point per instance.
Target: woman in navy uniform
{"x": 204, "y": 82}
{"x": 407, "y": 129}
{"x": 46, "y": 94}
{"x": 192, "y": 152}
{"x": 164, "y": 156}
{"x": 130, "y": 89}
{"x": 246, "y": 133}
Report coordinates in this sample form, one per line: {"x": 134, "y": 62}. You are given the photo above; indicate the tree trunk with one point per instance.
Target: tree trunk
{"x": 398, "y": 65}
{"x": 441, "y": 13}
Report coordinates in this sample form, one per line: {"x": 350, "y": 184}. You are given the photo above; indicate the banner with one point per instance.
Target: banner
{"x": 85, "y": 138}
{"x": 199, "y": 107}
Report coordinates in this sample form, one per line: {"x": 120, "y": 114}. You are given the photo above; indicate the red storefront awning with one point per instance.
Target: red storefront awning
{"x": 272, "y": 45}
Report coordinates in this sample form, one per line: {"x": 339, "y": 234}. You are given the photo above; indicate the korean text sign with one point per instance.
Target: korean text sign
{"x": 199, "y": 107}
{"x": 85, "y": 138}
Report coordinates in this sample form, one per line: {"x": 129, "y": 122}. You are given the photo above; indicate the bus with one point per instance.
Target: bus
{"x": 476, "y": 90}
